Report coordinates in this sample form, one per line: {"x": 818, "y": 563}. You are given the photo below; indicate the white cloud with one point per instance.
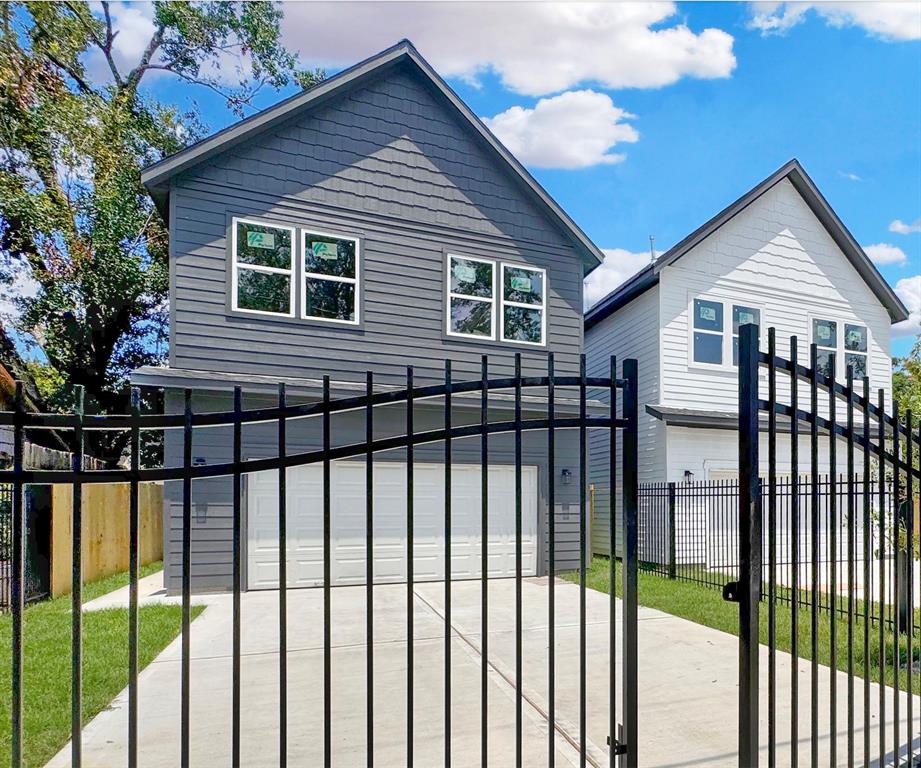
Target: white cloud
{"x": 619, "y": 265}
{"x": 535, "y": 48}
{"x": 888, "y": 20}
{"x": 900, "y": 227}
{"x": 135, "y": 27}
{"x": 576, "y": 129}
{"x": 908, "y": 290}
{"x": 883, "y": 253}
{"x": 849, "y": 176}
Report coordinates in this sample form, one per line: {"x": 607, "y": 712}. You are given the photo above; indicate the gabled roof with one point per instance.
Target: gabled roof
{"x": 157, "y": 177}
{"x": 649, "y": 275}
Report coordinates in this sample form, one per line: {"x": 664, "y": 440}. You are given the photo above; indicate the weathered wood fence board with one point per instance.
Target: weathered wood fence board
{"x": 105, "y": 530}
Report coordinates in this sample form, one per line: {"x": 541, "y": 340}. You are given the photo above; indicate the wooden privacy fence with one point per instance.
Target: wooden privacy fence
{"x": 105, "y": 530}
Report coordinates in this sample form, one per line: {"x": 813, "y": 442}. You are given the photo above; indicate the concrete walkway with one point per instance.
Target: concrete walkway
{"x": 688, "y": 684}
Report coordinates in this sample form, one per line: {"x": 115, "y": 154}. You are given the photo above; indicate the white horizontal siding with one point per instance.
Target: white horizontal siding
{"x": 701, "y": 451}
{"x": 631, "y": 332}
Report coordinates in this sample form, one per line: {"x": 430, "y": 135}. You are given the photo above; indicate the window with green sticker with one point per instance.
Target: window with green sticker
{"x": 742, "y": 315}
{"x": 708, "y": 332}
{"x": 523, "y": 304}
{"x": 715, "y": 325}
{"x": 471, "y": 300}
{"x": 847, "y": 343}
{"x": 263, "y": 268}
{"x": 330, "y": 277}
{"x": 490, "y": 300}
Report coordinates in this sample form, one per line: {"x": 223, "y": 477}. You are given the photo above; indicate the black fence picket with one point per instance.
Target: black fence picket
{"x": 619, "y": 420}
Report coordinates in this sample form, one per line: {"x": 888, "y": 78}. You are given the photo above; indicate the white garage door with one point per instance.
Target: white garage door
{"x": 305, "y": 523}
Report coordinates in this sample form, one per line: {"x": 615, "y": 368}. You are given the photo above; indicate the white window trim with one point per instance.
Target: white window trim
{"x": 542, "y": 306}
{"x": 840, "y": 351}
{"x": 450, "y": 295}
{"x": 726, "y": 333}
{"x": 236, "y": 266}
{"x": 305, "y": 233}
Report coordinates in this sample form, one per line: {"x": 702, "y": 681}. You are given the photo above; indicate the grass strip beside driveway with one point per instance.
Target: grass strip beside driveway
{"x": 705, "y": 605}
{"x": 46, "y": 663}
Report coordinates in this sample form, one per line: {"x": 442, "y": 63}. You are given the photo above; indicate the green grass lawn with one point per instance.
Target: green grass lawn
{"x": 705, "y": 605}
{"x": 46, "y": 665}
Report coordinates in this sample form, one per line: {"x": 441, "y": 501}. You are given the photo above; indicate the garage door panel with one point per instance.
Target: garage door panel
{"x": 348, "y": 499}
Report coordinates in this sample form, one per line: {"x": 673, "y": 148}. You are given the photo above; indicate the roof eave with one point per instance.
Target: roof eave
{"x": 636, "y": 286}
{"x": 846, "y": 242}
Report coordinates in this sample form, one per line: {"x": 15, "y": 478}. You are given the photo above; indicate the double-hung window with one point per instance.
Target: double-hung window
{"x": 484, "y": 294}
{"x": 524, "y": 304}
{"x": 263, "y": 268}
{"x": 848, "y": 342}
{"x": 330, "y": 278}
{"x": 471, "y": 297}
{"x": 708, "y": 332}
{"x": 856, "y": 349}
{"x": 714, "y": 341}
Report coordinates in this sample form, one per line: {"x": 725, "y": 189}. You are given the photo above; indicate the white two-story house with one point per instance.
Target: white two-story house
{"x": 778, "y": 256}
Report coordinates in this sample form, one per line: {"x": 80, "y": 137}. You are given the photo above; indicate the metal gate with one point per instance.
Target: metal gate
{"x": 545, "y": 415}
{"x": 847, "y": 602}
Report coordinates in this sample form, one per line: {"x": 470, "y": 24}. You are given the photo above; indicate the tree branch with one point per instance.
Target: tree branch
{"x": 77, "y": 78}
{"x": 228, "y": 95}
{"x": 144, "y": 64}
{"x": 104, "y": 46}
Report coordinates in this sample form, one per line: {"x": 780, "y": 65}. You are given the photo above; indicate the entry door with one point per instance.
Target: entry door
{"x": 348, "y": 500}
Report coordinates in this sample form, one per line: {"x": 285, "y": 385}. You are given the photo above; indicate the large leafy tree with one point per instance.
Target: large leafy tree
{"x": 76, "y": 127}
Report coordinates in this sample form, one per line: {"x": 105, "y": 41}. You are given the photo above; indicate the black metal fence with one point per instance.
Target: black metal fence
{"x": 37, "y": 545}
{"x": 823, "y": 423}
{"x": 494, "y": 419}
{"x": 689, "y": 531}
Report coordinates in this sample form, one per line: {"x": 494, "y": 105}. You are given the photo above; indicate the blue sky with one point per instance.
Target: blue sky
{"x": 669, "y": 112}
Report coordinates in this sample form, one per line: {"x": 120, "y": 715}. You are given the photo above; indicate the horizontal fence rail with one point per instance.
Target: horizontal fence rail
{"x": 824, "y": 536}
{"x": 507, "y": 406}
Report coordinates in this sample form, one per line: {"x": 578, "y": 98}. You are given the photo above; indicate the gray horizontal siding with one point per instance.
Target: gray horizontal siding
{"x": 212, "y": 510}
{"x": 391, "y": 165}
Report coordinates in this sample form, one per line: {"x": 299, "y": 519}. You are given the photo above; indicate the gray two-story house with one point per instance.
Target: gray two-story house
{"x": 368, "y": 224}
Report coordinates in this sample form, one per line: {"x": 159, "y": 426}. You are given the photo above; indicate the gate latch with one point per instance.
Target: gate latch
{"x": 619, "y": 747}
{"x": 731, "y": 592}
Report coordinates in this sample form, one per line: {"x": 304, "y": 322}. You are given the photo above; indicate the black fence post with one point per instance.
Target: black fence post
{"x": 17, "y": 591}
{"x": 672, "y": 570}
{"x": 749, "y": 593}
{"x": 631, "y": 556}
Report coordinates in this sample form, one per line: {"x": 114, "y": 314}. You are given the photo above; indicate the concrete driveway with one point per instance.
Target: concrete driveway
{"x": 688, "y": 684}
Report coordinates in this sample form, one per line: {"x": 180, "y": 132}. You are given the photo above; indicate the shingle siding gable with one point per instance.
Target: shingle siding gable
{"x": 394, "y": 148}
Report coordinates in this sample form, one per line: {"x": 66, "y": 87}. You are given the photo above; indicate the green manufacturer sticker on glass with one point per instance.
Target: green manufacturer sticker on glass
{"x": 260, "y": 239}
{"x": 521, "y": 283}
{"x": 707, "y": 313}
{"x": 464, "y": 273}
{"x": 746, "y": 318}
{"x": 323, "y": 250}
